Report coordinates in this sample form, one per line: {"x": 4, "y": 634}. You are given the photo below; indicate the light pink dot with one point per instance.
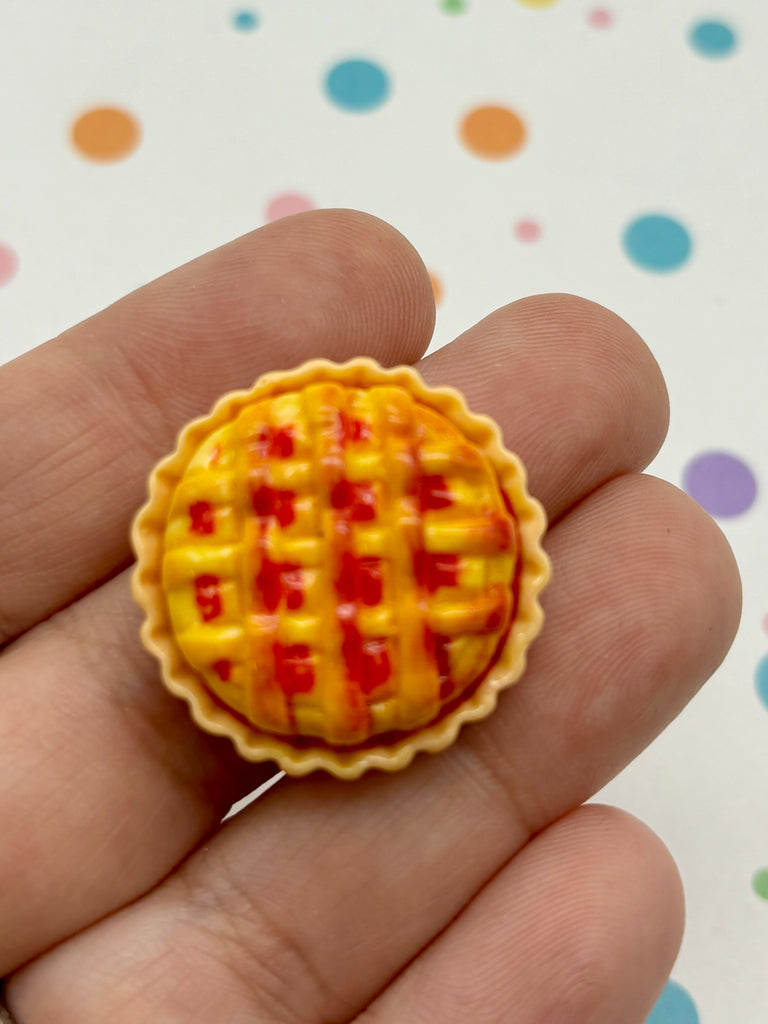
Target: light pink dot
{"x": 9, "y": 264}
{"x": 527, "y": 231}
{"x": 286, "y": 204}
{"x": 600, "y": 17}
{"x": 765, "y": 623}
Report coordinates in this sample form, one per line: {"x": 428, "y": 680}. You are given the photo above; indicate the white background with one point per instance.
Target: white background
{"x": 623, "y": 121}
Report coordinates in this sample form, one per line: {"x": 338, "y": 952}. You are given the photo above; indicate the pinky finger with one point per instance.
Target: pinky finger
{"x": 582, "y": 926}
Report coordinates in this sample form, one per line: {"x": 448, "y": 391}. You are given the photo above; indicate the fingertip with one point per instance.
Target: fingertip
{"x": 647, "y": 863}
{"x": 369, "y": 250}
{"x": 640, "y": 919}
{"x": 578, "y": 394}
{"x": 616, "y": 913}
{"x": 717, "y": 573}
{"x": 373, "y": 290}
{"x": 606, "y": 340}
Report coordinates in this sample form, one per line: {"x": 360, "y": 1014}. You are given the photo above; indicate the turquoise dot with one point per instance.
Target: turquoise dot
{"x": 712, "y": 38}
{"x": 657, "y": 243}
{"x": 246, "y": 21}
{"x": 761, "y": 680}
{"x": 357, "y": 85}
{"x": 674, "y": 1006}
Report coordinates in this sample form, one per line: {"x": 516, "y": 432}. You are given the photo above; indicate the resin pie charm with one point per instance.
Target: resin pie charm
{"x": 339, "y": 567}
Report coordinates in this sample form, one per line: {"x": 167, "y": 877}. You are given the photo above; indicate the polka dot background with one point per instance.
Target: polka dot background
{"x": 492, "y": 132}
{"x": 600, "y": 17}
{"x": 713, "y": 38}
{"x": 245, "y": 20}
{"x": 357, "y": 85}
{"x": 454, "y": 6}
{"x": 105, "y": 134}
{"x": 722, "y": 483}
{"x": 657, "y": 243}
{"x": 675, "y": 1006}
{"x": 285, "y": 204}
{"x": 613, "y": 150}
{"x": 8, "y": 264}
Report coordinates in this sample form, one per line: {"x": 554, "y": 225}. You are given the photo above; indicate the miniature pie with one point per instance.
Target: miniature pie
{"x": 339, "y": 567}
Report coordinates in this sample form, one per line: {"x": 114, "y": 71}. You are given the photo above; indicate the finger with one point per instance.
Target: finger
{"x": 118, "y": 723}
{"x": 560, "y": 374}
{"x": 107, "y": 783}
{"x": 582, "y": 925}
{"x": 87, "y": 414}
{"x": 321, "y": 874}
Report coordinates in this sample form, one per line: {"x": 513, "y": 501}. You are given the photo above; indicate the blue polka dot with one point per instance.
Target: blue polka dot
{"x": 712, "y": 38}
{"x": 357, "y": 85}
{"x": 657, "y": 243}
{"x": 761, "y": 680}
{"x": 245, "y": 21}
{"x": 675, "y": 1006}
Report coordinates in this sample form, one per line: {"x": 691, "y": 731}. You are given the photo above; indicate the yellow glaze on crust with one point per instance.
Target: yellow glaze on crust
{"x": 339, "y": 567}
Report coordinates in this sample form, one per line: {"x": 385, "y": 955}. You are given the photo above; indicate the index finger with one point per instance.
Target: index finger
{"x": 86, "y": 412}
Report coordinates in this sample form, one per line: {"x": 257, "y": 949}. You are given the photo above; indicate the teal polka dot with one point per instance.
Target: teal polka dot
{"x": 674, "y": 1006}
{"x": 245, "y": 21}
{"x": 658, "y": 243}
{"x": 761, "y": 680}
{"x": 712, "y": 38}
{"x": 357, "y": 85}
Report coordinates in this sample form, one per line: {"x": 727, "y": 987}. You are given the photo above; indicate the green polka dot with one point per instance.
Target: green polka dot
{"x": 760, "y": 883}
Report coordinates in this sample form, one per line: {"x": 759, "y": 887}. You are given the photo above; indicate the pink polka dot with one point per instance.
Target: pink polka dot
{"x": 765, "y": 623}
{"x": 600, "y": 17}
{"x": 286, "y": 204}
{"x": 9, "y": 264}
{"x": 527, "y": 231}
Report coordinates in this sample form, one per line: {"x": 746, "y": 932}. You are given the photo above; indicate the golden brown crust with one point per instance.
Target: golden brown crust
{"x": 185, "y": 682}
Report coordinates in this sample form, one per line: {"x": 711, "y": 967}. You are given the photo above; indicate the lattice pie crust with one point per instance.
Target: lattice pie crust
{"x": 339, "y": 567}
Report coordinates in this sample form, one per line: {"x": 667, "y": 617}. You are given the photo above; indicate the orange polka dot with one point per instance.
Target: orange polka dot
{"x": 105, "y": 133}
{"x": 493, "y": 132}
{"x": 437, "y": 287}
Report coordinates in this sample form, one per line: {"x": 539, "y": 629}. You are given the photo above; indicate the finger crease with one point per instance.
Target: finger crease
{"x": 265, "y": 957}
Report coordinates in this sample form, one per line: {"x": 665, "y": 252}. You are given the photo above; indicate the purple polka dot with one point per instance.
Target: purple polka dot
{"x": 721, "y": 483}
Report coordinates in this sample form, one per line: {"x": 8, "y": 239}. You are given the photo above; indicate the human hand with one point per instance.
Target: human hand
{"x": 472, "y": 887}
